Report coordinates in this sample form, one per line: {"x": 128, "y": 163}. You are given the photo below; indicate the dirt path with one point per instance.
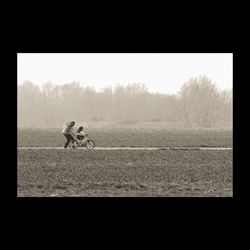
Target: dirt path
{"x": 135, "y": 148}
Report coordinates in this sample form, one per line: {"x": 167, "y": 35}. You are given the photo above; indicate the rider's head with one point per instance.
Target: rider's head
{"x": 80, "y": 129}
{"x": 72, "y": 123}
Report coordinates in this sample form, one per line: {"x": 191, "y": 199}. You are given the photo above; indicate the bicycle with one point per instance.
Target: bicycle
{"x": 83, "y": 141}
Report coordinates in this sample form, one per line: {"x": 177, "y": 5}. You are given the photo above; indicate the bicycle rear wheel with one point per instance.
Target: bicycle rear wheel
{"x": 90, "y": 144}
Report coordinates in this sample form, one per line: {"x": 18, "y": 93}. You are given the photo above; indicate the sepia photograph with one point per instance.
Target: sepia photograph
{"x": 124, "y": 125}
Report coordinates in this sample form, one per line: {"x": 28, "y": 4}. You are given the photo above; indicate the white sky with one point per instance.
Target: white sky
{"x": 160, "y": 72}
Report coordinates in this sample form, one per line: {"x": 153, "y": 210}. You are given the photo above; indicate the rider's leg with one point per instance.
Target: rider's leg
{"x": 70, "y": 138}
{"x": 67, "y": 142}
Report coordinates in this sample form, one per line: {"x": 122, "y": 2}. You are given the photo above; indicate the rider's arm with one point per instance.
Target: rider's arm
{"x": 84, "y": 133}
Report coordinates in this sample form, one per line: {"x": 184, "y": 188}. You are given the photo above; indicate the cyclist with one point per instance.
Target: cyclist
{"x": 80, "y": 134}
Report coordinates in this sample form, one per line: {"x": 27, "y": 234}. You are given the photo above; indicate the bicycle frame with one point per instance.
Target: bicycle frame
{"x": 82, "y": 142}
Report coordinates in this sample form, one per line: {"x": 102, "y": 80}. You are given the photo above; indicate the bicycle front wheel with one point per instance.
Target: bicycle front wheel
{"x": 90, "y": 144}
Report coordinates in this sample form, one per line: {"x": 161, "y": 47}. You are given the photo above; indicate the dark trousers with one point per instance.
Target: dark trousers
{"x": 69, "y": 138}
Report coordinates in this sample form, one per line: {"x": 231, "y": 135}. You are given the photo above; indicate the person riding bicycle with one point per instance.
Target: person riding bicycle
{"x": 81, "y": 140}
{"x": 67, "y": 131}
{"x": 80, "y": 134}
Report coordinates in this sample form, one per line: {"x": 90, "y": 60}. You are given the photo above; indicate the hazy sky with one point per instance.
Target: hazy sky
{"x": 160, "y": 72}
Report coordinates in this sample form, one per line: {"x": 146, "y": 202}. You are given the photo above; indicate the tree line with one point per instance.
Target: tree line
{"x": 198, "y": 104}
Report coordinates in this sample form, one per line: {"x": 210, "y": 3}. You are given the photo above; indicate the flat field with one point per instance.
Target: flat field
{"x": 139, "y": 137}
{"x": 84, "y": 173}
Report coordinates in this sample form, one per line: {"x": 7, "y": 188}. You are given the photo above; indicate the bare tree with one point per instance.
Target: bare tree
{"x": 199, "y": 102}
{"x": 29, "y": 106}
